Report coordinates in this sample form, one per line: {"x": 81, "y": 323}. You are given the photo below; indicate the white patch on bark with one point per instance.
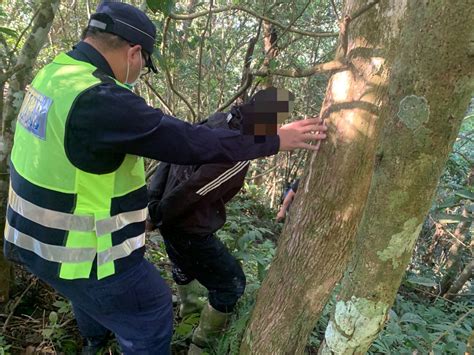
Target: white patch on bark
{"x": 401, "y": 243}
{"x": 355, "y": 323}
{"x": 413, "y": 111}
{"x": 340, "y": 86}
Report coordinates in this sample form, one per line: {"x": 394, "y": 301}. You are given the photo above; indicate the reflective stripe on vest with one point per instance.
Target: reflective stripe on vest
{"x": 60, "y": 254}
{"x": 66, "y": 221}
{"x": 48, "y": 252}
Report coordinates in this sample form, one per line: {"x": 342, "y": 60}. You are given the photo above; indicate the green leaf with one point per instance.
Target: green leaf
{"x": 8, "y": 31}
{"x": 273, "y": 64}
{"x": 423, "y": 281}
{"x": 465, "y": 194}
{"x": 53, "y": 318}
{"x": 451, "y": 218}
{"x": 47, "y": 332}
{"x": 163, "y": 6}
{"x": 412, "y": 318}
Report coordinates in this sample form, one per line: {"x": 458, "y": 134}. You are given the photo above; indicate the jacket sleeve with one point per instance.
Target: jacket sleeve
{"x": 108, "y": 119}
{"x": 207, "y": 184}
{"x": 156, "y": 191}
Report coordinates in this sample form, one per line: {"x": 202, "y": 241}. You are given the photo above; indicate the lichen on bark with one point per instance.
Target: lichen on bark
{"x": 401, "y": 243}
{"x": 355, "y": 322}
{"x": 413, "y": 111}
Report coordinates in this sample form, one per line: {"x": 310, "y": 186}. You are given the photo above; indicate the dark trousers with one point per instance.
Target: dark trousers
{"x": 207, "y": 260}
{"x": 135, "y": 305}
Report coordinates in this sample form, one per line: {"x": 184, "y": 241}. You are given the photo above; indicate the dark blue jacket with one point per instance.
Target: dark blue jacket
{"x": 108, "y": 121}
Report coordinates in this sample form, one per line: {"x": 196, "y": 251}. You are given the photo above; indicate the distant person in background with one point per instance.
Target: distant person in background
{"x": 288, "y": 199}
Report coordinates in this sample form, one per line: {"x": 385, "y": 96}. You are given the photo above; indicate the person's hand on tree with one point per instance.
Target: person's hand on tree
{"x": 299, "y": 133}
{"x": 280, "y": 216}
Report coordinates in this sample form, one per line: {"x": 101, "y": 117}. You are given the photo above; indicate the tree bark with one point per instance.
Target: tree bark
{"x": 270, "y": 49}
{"x": 453, "y": 263}
{"x": 465, "y": 275}
{"x": 16, "y": 86}
{"x": 430, "y": 84}
{"x": 316, "y": 243}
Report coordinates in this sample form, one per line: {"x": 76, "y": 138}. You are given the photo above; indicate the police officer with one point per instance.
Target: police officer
{"x": 77, "y": 203}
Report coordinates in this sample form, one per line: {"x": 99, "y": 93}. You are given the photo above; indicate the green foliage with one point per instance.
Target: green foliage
{"x": 55, "y": 330}
{"x": 163, "y": 6}
{"x": 415, "y": 324}
{"x": 4, "y": 346}
{"x": 248, "y": 230}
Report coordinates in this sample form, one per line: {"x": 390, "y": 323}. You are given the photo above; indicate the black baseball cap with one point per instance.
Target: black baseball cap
{"x": 128, "y": 22}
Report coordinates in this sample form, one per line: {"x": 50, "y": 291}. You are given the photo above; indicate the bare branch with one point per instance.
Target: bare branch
{"x": 239, "y": 92}
{"x": 180, "y": 17}
{"x": 247, "y": 63}
{"x": 288, "y": 28}
{"x": 300, "y": 73}
{"x": 334, "y": 8}
{"x": 15, "y": 47}
{"x": 159, "y": 97}
{"x": 201, "y": 45}
{"x": 167, "y": 72}
{"x": 12, "y": 71}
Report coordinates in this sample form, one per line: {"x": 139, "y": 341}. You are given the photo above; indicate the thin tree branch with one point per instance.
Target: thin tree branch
{"x": 239, "y": 92}
{"x": 180, "y": 17}
{"x": 300, "y": 73}
{"x": 24, "y": 31}
{"x": 15, "y": 305}
{"x": 201, "y": 45}
{"x": 167, "y": 72}
{"x": 334, "y": 8}
{"x": 250, "y": 178}
{"x": 10, "y": 72}
{"x": 159, "y": 97}
{"x": 248, "y": 60}
{"x": 288, "y": 28}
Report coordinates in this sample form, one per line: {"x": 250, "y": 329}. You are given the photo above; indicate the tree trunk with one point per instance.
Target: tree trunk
{"x": 465, "y": 275}
{"x": 316, "y": 243}
{"x": 270, "y": 50}
{"x": 430, "y": 86}
{"x": 453, "y": 263}
{"x": 17, "y": 83}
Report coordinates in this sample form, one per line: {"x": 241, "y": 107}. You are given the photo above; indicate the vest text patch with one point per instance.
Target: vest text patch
{"x": 34, "y": 112}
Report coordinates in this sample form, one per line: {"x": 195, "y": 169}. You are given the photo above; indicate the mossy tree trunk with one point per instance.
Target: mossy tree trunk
{"x": 430, "y": 85}
{"x": 16, "y": 85}
{"x": 316, "y": 243}
{"x": 408, "y": 66}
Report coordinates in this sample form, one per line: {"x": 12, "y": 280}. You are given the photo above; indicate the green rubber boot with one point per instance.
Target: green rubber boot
{"x": 189, "y": 295}
{"x": 211, "y": 324}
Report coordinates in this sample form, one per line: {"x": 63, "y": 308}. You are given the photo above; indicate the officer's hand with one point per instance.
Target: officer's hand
{"x": 297, "y": 134}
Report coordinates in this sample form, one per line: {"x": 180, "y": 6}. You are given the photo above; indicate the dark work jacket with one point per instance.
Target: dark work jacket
{"x": 191, "y": 199}
{"x": 107, "y": 122}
